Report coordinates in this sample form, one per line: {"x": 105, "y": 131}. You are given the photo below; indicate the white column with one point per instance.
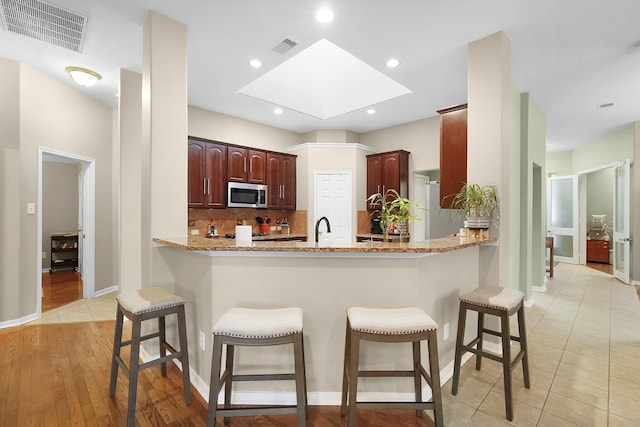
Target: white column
{"x": 130, "y": 201}
{"x": 164, "y": 136}
{"x": 489, "y": 131}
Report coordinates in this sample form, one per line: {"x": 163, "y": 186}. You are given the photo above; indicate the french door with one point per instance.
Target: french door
{"x": 621, "y": 232}
{"x": 562, "y": 217}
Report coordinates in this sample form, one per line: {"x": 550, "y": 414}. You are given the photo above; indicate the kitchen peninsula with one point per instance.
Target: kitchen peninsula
{"x": 216, "y": 274}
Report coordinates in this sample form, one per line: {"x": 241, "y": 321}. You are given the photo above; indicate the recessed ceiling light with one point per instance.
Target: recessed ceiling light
{"x": 371, "y": 111}
{"x": 393, "y": 63}
{"x": 277, "y": 111}
{"x": 83, "y": 76}
{"x": 324, "y": 15}
{"x": 255, "y": 63}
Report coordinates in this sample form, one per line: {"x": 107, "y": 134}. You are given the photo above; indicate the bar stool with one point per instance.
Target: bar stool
{"x": 138, "y": 306}
{"x": 254, "y": 328}
{"x": 500, "y": 302}
{"x": 392, "y": 325}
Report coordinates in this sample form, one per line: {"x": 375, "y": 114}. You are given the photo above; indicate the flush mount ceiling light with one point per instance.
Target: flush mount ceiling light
{"x": 83, "y": 76}
{"x": 277, "y": 111}
{"x": 371, "y": 111}
{"x": 255, "y": 63}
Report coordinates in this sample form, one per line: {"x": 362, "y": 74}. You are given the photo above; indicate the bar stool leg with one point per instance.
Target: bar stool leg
{"x": 462, "y": 319}
{"x": 506, "y": 364}
{"x": 480, "y": 340}
{"x": 417, "y": 377}
{"x": 134, "y": 369}
{"x": 162, "y": 335}
{"x": 117, "y": 344}
{"x": 214, "y": 384}
{"x": 345, "y": 370}
{"x": 301, "y": 390}
{"x": 354, "y": 361}
{"x": 522, "y": 330}
{"x": 184, "y": 358}
{"x": 228, "y": 383}
{"x": 434, "y": 373}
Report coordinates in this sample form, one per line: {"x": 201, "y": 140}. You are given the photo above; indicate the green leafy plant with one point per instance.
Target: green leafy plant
{"x": 392, "y": 209}
{"x": 477, "y": 201}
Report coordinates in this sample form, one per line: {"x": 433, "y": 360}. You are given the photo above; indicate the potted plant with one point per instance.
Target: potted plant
{"x": 479, "y": 203}
{"x": 394, "y": 211}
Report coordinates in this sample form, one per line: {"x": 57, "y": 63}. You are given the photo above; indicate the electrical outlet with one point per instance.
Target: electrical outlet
{"x": 195, "y": 232}
{"x": 202, "y": 341}
{"x": 31, "y": 208}
{"x": 191, "y": 223}
{"x": 446, "y": 331}
{"x": 44, "y": 255}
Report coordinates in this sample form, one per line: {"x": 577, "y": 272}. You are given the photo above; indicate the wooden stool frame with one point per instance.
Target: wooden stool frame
{"x": 351, "y": 373}
{"x": 508, "y": 364}
{"x": 227, "y": 378}
{"x": 135, "y": 366}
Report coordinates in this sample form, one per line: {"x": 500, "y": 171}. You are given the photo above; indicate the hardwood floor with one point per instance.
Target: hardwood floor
{"x": 58, "y": 375}
{"x": 605, "y": 268}
{"x": 60, "y": 288}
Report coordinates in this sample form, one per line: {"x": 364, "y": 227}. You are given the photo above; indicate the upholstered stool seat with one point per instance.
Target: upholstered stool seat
{"x": 138, "y": 306}
{"x": 253, "y": 328}
{"x": 394, "y": 325}
{"x": 500, "y": 302}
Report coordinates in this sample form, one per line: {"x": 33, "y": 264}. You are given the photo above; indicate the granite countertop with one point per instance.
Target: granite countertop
{"x": 199, "y": 243}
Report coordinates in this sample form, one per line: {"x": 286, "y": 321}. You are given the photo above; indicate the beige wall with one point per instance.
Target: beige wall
{"x": 53, "y": 115}
{"x": 10, "y": 212}
{"x": 224, "y": 128}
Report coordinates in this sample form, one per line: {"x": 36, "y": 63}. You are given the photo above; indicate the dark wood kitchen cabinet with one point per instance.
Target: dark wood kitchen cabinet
{"x": 281, "y": 181}
{"x": 453, "y": 152}
{"x": 387, "y": 171}
{"x": 246, "y": 165}
{"x": 207, "y": 171}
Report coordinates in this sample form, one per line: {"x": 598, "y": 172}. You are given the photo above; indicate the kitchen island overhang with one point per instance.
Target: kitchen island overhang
{"x": 324, "y": 281}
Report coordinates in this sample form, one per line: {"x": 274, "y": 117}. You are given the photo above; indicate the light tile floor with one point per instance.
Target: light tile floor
{"x": 83, "y": 310}
{"x": 584, "y": 346}
{"x": 584, "y": 357}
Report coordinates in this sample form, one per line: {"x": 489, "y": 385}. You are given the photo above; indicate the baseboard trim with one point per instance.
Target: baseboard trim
{"x": 20, "y": 321}
{"x": 105, "y": 291}
{"x": 323, "y": 398}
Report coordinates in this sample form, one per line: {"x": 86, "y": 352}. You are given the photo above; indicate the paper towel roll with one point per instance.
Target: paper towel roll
{"x": 243, "y": 235}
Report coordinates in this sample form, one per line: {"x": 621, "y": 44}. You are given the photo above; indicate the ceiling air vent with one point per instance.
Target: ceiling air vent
{"x": 284, "y": 46}
{"x": 45, "y": 22}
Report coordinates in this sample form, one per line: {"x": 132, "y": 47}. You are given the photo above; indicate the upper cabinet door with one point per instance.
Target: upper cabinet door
{"x": 256, "y": 169}
{"x": 237, "y": 164}
{"x": 453, "y": 152}
{"x": 274, "y": 172}
{"x": 216, "y": 172}
{"x": 197, "y": 174}
{"x": 288, "y": 183}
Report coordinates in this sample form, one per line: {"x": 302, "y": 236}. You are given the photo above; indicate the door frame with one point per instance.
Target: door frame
{"x": 87, "y": 204}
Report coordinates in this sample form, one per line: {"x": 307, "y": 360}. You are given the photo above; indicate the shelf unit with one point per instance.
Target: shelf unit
{"x": 64, "y": 251}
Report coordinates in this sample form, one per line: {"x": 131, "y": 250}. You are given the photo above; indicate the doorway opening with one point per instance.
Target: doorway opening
{"x": 66, "y": 188}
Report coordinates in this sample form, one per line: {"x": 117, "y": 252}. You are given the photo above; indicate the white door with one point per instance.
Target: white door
{"x": 333, "y": 201}
{"x": 562, "y": 217}
{"x": 621, "y": 234}
{"x": 80, "y": 219}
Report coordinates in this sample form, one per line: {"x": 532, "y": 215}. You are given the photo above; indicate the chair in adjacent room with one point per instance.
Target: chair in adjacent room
{"x": 391, "y": 325}
{"x": 246, "y": 327}
{"x": 138, "y": 306}
{"x": 502, "y": 303}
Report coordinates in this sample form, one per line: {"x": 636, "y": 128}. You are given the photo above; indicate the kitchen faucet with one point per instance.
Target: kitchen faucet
{"x": 318, "y": 226}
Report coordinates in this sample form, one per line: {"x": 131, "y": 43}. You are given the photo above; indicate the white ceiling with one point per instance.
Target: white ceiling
{"x": 571, "y": 55}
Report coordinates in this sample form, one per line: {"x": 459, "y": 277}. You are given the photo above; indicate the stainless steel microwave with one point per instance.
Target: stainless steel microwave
{"x": 243, "y": 195}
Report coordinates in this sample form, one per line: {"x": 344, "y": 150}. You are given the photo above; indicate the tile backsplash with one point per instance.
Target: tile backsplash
{"x": 226, "y": 220}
